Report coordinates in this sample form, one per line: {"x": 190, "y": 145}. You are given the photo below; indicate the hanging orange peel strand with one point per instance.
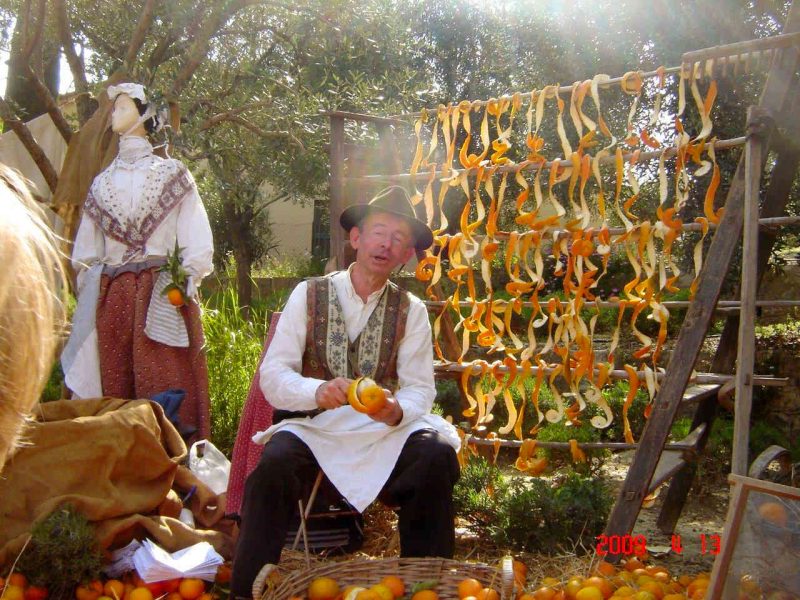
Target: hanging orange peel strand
{"x": 564, "y": 216}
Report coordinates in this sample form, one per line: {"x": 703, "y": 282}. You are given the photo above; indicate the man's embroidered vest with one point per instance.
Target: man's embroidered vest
{"x": 373, "y": 354}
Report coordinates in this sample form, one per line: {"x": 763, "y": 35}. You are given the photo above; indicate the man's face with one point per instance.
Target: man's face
{"x": 382, "y": 243}
{"x": 125, "y": 114}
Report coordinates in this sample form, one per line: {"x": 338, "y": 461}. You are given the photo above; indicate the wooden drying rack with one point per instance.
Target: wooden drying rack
{"x": 655, "y": 461}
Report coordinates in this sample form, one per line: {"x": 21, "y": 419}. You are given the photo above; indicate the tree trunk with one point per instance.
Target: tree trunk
{"x": 237, "y": 232}
{"x": 44, "y": 60}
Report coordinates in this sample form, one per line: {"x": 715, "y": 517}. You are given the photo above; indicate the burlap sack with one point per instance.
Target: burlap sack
{"x": 114, "y": 460}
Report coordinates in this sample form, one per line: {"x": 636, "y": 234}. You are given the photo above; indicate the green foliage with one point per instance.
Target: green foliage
{"x": 233, "y": 347}
{"x": 715, "y": 462}
{"x": 564, "y": 431}
{"x": 53, "y": 388}
{"x": 448, "y": 399}
{"x": 615, "y": 395}
{"x": 531, "y": 514}
{"x": 291, "y": 265}
{"x": 62, "y": 553}
{"x": 566, "y": 516}
{"x": 474, "y": 496}
{"x": 782, "y": 334}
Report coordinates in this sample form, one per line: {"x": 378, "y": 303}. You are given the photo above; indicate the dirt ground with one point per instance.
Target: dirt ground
{"x": 703, "y": 515}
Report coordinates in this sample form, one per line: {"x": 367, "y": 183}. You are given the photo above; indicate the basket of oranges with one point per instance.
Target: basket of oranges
{"x": 389, "y": 579}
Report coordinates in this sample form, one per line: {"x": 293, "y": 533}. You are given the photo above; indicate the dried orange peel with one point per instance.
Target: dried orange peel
{"x": 366, "y": 396}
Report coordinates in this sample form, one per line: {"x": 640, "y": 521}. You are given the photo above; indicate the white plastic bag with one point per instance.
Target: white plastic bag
{"x": 209, "y": 465}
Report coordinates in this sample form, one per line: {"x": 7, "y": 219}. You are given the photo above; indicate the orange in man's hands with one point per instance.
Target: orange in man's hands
{"x": 366, "y": 396}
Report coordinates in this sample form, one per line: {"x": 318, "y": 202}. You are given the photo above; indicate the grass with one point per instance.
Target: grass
{"x": 233, "y": 348}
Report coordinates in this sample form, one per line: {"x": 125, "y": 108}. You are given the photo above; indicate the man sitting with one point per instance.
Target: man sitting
{"x": 354, "y": 323}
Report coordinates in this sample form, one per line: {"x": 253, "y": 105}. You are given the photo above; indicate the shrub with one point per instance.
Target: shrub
{"x": 566, "y": 516}
{"x": 62, "y": 553}
{"x": 474, "y": 495}
{"x": 532, "y": 514}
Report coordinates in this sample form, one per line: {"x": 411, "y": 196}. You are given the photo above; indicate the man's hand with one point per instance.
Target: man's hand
{"x": 391, "y": 413}
{"x": 333, "y": 393}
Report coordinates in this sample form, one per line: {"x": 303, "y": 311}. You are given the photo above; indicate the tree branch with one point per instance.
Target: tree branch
{"x": 49, "y": 102}
{"x": 217, "y": 119}
{"x": 32, "y": 41}
{"x": 230, "y": 118}
{"x": 76, "y": 65}
{"x": 34, "y": 149}
{"x": 139, "y": 35}
{"x": 199, "y": 49}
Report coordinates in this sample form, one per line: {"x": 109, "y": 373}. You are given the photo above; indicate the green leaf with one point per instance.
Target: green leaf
{"x": 423, "y": 585}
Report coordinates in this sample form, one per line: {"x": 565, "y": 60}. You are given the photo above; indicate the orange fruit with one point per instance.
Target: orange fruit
{"x": 544, "y": 593}
{"x": 697, "y": 585}
{"x": 633, "y": 563}
{"x": 114, "y": 588}
{"x": 425, "y": 595}
{"x": 85, "y": 592}
{"x": 12, "y": 592}
{"x": 175, "y": 297}
{"x": 140, "y": 593}
{"x": 526, "y": 596}
{"x": 394, "y": 583}
{"x": 173, "y": 596}
{"x": 383, "y": 591}
{"x": 624, "y": 591}
{"x": 589, "y": 592}
{"x": 601, "y": 584}
{"x": 223, "y": 574}
{"x": 643, "y": 595}
{"x": 36, "y": 592}
{"x": 206, "y": 596}
{"x": 520, "y": 572}
{"x": 350, "y": 592}
{"x": 469, "y": 587}
{"x": 487, "y": 594}
{"x": 606, "y": 568}
{"x": 323, "y": 588}
{"x": 191, "y": 588}
{"x": 366, "y": 396}
{"x": 572, "y": 587}
{"x": 674, "y": 597}
{"x": 654, "y": 588}
{"x": 774, "y": 512}
{"x": 367, "y": 595}
{"x": 171, "y": 585}
{"x": 18, "y": 579}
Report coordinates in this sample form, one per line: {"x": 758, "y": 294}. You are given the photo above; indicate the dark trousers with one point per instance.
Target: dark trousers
{"x": 421, "y": 485}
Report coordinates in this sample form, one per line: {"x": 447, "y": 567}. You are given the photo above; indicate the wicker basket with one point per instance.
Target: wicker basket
{"x": 365, "y": 572}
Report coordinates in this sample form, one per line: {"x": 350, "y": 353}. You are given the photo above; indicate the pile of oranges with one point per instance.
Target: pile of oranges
{"x": 130, "y": 587}
{"x": 634, "y": 580}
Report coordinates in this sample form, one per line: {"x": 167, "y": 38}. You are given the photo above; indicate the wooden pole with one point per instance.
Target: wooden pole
{"x": 513, "y": 168}
{"x": 726, "y": 305}
{"x": 744, "y": 370}
{"x": 698, "y": 378}
{"x": 774, "y": 206}
{"x": 337, "y": 235}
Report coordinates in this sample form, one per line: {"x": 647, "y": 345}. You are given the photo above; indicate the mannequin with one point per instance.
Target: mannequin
{"x": 127, "y": 340}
